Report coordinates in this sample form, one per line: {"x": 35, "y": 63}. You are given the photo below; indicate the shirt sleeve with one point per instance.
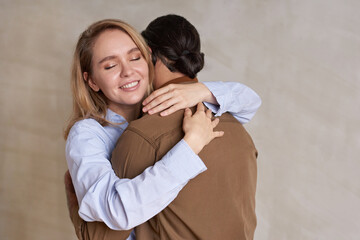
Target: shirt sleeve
{"x": 125, "y": 203}
{"x": 233, "y": 97}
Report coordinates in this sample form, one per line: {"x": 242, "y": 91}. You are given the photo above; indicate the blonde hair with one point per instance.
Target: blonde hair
{"x": 86, "y": 102}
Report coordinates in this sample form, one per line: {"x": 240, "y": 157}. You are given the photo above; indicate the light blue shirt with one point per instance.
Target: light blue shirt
{"x": 235, "y": 98}
{"x": 125, "y": 203}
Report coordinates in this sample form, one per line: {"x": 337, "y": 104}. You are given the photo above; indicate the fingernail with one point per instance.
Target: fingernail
{"x": 144, "y": 109}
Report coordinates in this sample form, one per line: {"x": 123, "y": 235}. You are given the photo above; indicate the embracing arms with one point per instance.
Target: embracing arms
{"x": 241, "y": 101}
{"x": 233, "y": 97}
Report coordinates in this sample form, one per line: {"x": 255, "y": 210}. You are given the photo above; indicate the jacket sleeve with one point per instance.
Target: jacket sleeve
{"x": 78, "y": 223}
{"x": 132, "y": 156}
{"x": 233, "y": 97}
{"x": 123, "y": 203}
{"x": 95, "y": 230}
{"x": 135, "y": 155}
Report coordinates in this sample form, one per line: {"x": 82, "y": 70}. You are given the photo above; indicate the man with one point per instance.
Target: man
{"x": 217, "y": 204}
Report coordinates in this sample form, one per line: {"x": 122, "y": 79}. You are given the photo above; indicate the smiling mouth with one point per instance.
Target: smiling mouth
{"x": 130, "y": 85}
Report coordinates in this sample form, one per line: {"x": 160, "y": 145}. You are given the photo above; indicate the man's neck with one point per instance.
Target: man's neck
{"x": 165, "y": 77}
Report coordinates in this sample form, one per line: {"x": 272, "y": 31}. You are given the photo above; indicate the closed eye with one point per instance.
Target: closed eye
{"x": 109, "y": 67}
{"x": 136, "y": 59}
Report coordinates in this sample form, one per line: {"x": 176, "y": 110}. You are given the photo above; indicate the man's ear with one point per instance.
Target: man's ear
{"x": 90, "y": 81}
{"x": 152, "y": 56}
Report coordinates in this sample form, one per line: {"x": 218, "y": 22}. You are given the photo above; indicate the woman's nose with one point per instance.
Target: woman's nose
{"x": 126, "y": 70}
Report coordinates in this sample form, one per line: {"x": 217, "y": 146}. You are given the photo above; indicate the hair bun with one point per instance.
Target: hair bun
{"x": 184, "y": 53}
{"x": 189, "y": 63}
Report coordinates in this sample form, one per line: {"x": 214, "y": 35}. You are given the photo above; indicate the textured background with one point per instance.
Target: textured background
{"x": 302, "y": 57}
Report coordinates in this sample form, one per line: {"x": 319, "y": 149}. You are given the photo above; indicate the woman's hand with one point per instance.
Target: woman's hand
{"x": 173, "y": 97}
{"x": 199, "y": 129}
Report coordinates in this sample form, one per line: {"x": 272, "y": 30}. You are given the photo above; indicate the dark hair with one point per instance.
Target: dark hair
{"x": 176, "y": 42}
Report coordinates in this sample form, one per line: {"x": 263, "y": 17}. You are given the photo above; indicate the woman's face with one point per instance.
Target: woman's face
{"x": 119, "y": 70}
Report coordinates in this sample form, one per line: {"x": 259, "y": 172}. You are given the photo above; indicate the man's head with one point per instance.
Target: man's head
{"x": 176, "y": 43}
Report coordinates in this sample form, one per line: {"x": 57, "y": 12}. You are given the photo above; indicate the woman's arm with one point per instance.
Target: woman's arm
{"x": 102, "y": 196}
{"x": 233, "y": 97}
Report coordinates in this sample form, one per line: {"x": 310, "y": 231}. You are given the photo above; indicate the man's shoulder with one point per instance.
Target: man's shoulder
{"x": 154, "y": 126}
{"x": 227, "y": 117}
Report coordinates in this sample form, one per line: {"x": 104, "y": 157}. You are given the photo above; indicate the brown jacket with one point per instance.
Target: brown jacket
{"x": 217, "y": 204}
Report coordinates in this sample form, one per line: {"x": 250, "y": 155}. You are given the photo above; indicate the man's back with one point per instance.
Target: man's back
{"x": 217, "y": 204}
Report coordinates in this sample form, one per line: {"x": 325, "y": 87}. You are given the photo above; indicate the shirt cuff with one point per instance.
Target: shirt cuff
{"x": 217, "y": 89}
{"x": 183, "y": 163}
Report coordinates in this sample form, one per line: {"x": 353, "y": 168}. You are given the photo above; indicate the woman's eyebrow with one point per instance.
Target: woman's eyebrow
{"x": 135, "y": 49}
{"x": 106, "y": 58}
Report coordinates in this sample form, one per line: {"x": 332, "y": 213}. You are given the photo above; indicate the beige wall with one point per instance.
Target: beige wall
{"x": 302, "y": 57}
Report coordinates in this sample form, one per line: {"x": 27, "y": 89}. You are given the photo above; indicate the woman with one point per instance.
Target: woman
{"x": 110, "y": 77}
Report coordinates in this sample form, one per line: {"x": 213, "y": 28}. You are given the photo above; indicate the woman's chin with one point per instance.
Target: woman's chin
{"x": 134, "y": 100}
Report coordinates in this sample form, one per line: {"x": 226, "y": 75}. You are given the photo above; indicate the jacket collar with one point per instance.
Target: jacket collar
{"x": 181, "y": 80}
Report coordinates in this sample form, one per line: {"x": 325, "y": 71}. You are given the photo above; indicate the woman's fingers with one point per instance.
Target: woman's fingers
{"x": 158, "y": 102}
{"x": 166, "y": 104}
{"x": 200, "y": 108}
{"x": 215, "y": 122}
{"x": 155, "y": 94}
{"x": 209, "y": 113}
{"x": 187, "y": 113}
{"x": 218, "y": 134}
{"x": 174, "y": 97}
{"x": 171, "y": 110}
{"x": 199, "y": 128}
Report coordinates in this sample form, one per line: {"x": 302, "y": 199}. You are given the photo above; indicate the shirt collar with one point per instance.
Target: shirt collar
{"x": 183, "y": 79}
{"x": 114, "y": 117}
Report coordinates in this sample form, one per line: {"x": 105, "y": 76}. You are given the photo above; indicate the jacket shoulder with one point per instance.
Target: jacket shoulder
{"x": 154, "y": 126}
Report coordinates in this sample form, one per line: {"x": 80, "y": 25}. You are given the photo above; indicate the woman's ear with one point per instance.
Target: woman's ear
{"x": 91, "y": 82}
